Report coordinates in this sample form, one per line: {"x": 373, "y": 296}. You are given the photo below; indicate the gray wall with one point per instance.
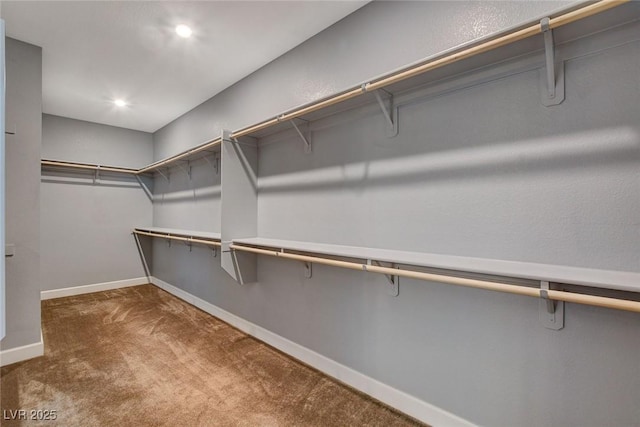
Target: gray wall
{"x": 85, "y": 232}
{"x": 191, "y": 203}
{"x": 484, "y": 171}
{"x": 2, "y": 187}
{"x": 24, "y": 116}
{"x": 80, "y": 141}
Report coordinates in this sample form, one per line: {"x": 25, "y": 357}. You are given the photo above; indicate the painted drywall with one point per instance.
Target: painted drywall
{"x": 2, "y": 166}
{"x": 85, "y": 224}
{"x": 22, "y": 175}
{"x": 190, "y": 202}
{"x": 484, "y": 171}
{"x": 80, "y": 141}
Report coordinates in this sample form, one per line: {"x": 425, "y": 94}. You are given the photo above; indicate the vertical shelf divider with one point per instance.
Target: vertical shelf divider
{"x": 239, "y": 204}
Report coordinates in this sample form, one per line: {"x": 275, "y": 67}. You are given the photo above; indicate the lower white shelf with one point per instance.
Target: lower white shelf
{"x": 447, "y": 265}
{"x": 607, "y": 279}
{"x": 180, "y": 232}
{"x": 206, "y": 238}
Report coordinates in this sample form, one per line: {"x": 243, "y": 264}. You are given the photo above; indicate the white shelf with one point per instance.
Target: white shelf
{"x": 606, "y": 279}
{"x": 194, "y": 153}
{"x": 182, "y": 233}
{"x": 57, "y": 164}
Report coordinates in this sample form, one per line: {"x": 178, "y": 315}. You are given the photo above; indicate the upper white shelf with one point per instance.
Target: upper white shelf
{"x": 198, "y": 152}
{"x": 607, "y": 279}
{"x": 180, "y": 232}
{"x": 86, "y": 166}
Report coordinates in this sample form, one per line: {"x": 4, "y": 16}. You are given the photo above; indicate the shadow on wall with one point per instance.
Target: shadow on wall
{"x": 200, "y": 179}
{"x": 534, "y": 156}
{"x": 493, "y": 127}
{"x": 205, "y": 193}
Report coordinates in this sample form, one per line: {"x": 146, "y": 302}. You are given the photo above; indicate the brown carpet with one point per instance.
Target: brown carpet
{"x": 140, "y": 356}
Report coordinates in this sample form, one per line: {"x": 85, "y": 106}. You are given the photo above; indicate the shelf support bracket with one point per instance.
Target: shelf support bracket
{"x": 215, "y": 251}
{"x": 186, "y": 170}
{"x": 551, "y": 313}
{"x": 307, "y": 270}
{"x": 214, "y": 165}
{"x": 393, "y": 287}
{"x": 554, "y": 74}
{"x": 383, "y": 107}
{"x": 390, "y": 113}
{"x": 96, "y": 175}
{"x": 163, "y": 175}
{"x": 305, "y": 139}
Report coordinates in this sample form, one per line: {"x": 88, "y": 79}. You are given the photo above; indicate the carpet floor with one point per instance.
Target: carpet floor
{"x": 140, "y": 356}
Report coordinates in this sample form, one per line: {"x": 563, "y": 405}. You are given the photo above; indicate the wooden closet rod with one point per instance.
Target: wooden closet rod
{"x": 179, "y": 156}
{"x": 183, "y": 239}
{"x": 88, "y": 166}
{"x": 483, "y": 47}
{"x": 615, "y": 303}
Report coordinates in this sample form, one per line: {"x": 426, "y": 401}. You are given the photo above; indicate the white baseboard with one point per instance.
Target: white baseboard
{"x": 25, "y": 352}
{"x": 97, "y": 287}
{"x": 402, "y": 401}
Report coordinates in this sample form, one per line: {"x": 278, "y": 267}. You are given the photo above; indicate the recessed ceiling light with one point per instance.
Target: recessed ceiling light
{"x": 183, "y": 31}
{"x": 120, "y": 103}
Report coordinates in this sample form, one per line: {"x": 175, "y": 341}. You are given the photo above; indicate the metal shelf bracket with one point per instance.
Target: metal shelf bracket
{"x": 551, "y": 313}
{"x": 215, "y": 164}
{"x": 163, "y": 175}
{"x": 393, "y": 288}
{"x": 187, "y": 169}
{"x": 307, "y": 270}
{"x": 96, "y": 175}
{"x": 390, "y": 113}
{"x": 305, "y": 139}
{"x": 307, "y": 265}
{"x": 554, "y": 76}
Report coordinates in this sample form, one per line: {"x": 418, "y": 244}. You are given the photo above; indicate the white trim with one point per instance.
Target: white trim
{"x": 97, "y": 287}
{"x": 402, "y": 401}
{"x": 25, "y": 352}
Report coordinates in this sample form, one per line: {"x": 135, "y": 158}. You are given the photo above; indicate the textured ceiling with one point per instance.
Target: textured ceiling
{"x": 95, "y": 52}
